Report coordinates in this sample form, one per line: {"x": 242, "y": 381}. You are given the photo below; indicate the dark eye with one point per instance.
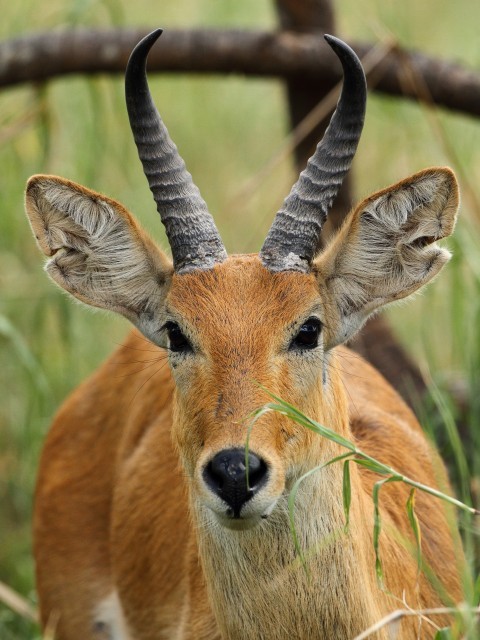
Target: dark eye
{"x": 307, "y": 337}
{"x": 177, "y": 340}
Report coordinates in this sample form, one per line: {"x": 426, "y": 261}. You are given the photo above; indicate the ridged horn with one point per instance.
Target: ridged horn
{"x": 191, "y": 231}
{"x": 294, "y": 238}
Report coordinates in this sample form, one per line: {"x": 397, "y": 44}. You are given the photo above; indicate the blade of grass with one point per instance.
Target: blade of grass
{"x": 17, "y": 603}
{"x": 377, "y": 524}
{"x": 414, "y": 523}
{"x": 30, "y": 363}
{"x": 361, "y": 458}
{"x": 293, "y": 495}
{"x": 347, "y": 493}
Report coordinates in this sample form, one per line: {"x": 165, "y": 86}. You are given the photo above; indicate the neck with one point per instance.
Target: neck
{"x": 259, "y": 588}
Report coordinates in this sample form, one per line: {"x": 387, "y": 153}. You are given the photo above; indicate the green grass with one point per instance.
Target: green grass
{"x": 465, "y": 624}
{"x": 226, "y": 129}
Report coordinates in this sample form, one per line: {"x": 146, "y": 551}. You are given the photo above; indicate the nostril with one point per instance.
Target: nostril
{"x": 214, "y": 474}
{"x": 226, "y": 475}
{"x": 227, "y": 464}
{"x": 257, "y": 471}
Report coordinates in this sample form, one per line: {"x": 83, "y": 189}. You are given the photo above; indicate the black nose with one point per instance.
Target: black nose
{"x": 226, "y": 475}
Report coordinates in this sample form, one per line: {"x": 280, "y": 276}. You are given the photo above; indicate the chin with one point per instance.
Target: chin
{"x": 238, "y": 524}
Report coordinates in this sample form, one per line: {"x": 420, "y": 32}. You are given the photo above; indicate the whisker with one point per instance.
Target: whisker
{"x": 137, "y": 371}
{"x": 128, "y": 346}
{"x": 145, "y": 382}
{"x": 128, "y": 362}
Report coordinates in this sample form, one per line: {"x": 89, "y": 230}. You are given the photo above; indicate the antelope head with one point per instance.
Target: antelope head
{"x": 233, "y": 325}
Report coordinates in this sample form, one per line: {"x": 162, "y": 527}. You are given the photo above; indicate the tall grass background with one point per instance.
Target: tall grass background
{"x": 227, "y": 129}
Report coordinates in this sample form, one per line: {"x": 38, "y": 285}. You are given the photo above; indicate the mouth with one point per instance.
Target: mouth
{"x": 236, "y": 522}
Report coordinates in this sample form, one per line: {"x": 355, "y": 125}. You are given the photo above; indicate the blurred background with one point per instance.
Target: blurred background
{"x": 227, "y": 128}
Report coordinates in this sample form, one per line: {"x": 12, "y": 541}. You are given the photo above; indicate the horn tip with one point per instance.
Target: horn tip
{"x": 156, "y": 33}
{"x": 332, "y": 41}
{"x": 349, "y": 60}
{"x": 339, "y": 46}
{"x": 138, "y": 57}
{"x": 146, "y": 43}
{"x": 151, "y": 38}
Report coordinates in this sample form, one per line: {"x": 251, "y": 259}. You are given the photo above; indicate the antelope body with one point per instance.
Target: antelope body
{"x": 145, "y": 525}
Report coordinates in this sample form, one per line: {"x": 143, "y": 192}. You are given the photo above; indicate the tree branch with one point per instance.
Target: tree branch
{"x": 312, "y": 17}
{"x": 44, "y": 56}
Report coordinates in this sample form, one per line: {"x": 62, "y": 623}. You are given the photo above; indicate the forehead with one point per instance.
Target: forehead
{"x": 241, "y": 290}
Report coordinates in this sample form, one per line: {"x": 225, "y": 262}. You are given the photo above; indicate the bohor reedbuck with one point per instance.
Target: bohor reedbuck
{"x": 145, "y": 525}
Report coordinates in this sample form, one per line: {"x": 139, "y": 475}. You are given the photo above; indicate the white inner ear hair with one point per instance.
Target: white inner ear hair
{"x": 98, "y": 253}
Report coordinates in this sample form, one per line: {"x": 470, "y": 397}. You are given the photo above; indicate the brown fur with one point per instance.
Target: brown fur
{"x": 121, "y": 505}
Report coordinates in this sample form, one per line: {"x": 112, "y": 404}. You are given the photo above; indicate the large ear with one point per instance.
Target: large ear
{"x": 386, "y": 249}
{"x": 98, "y": 252}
